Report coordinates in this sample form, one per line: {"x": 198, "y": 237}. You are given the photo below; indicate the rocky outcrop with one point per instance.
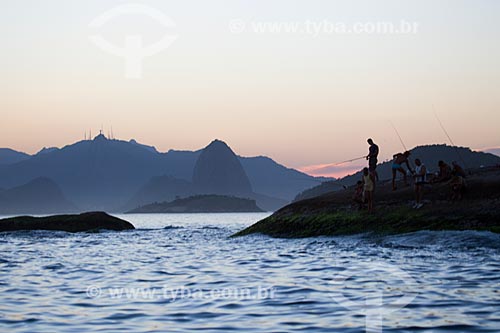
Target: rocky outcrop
{"x": 332, "y": 214}
{"x": 428, "y": 154}
{"x": 71, "y": 223}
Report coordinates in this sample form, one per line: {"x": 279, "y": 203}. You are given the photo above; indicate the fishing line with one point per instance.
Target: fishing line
{"x": 448, "y": 136}
{"x": 399, "y": 136}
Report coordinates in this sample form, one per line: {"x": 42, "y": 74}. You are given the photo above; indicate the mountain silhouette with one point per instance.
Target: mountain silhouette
{"x": 159, "y": 189}
{"x": 218, "y": 171}
{"x": 46, "y": 150}
{"x": 39, "y": 196}
{"x": 9, "y": 156}
{"x": 97, "y": 174}
{"x": 430, "y": 155}
{"x": 273, "y": 179}
{"x": 494, "y": 151}
{"x": 109, "y": 174}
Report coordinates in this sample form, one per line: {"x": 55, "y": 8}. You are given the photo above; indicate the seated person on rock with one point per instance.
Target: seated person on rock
{"x": 458, "y": 170}
{"x": 457, "y": 184}
{"x": 444, "y": 173}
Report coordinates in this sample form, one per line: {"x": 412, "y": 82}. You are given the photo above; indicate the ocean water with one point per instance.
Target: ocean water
{"x": 182, "y": 273}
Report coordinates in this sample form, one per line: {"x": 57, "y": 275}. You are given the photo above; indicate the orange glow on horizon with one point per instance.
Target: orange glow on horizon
{"x": 330, "y": 170}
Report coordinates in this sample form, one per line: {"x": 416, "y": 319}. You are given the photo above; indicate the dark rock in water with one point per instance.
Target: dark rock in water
{"x": 333, "y": 215}
{"x": 202, "y": 204}
{"x": 71, "y": 223}
{"x": 218, "y": 171}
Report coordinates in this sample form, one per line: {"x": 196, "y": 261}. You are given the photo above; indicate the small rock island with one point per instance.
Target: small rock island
{"x": 209, "y": 203}
{"x": 333, "y": 214}
{"x": 72, "y": 223}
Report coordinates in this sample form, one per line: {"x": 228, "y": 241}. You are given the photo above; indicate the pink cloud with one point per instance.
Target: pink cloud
{"x": 331, "y": 170}
{"x": 492, "y": 150}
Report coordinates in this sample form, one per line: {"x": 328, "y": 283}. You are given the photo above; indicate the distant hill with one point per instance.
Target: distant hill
{"x": 276, "y": 180}
{"x": 39, "y": 196}
{"x": 150, "y": 148}
{"x": 161, "y": 188}
{"x": 108, "y": 174}
{"x": 46, "y": 150}
{"x": 494, "y": 151}
{"x": 218, "y": 171}
{"x": 97, "y": 174}
{"x": 10, "y": 156}
{"x": 202, "y": 204}
{"x": 430, "y": 155}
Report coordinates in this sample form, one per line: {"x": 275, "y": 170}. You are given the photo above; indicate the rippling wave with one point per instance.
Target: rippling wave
{"x": 183, "y": 273}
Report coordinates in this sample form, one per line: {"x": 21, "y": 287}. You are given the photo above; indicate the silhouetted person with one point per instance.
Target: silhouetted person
{"x": 444, "y": 173}
{"x": 420, "y": 181}
{"x": 397, "y": 166}
{"x": 457, "y": 184}
{"x": 357, "y": 198}
{"x": 372, "y": 158}
{"x": 458, "y": 170}
{"x": 368, "y": 188}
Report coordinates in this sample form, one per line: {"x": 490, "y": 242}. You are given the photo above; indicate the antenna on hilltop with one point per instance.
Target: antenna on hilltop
{"x": 112, "y": 135}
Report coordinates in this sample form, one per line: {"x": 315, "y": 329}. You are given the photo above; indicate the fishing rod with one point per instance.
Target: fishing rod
{"x": 442, "y": 127}
{"x": 399, "y": 136}
{"x": 335, "y": 182}
{"x": 343, "y": 162}
{"x": 448, "y": 136}
{"x": 402, "y": 143}
{"x": 348, "y": 161}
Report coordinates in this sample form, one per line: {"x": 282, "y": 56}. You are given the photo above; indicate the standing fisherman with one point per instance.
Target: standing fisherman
{"x": 372, "y": 158}
{"x": 420, "y": 180}
{"x": 368, "y": 181}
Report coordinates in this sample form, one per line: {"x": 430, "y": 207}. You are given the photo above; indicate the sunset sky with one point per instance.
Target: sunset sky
{"x": 301, "y": 98}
